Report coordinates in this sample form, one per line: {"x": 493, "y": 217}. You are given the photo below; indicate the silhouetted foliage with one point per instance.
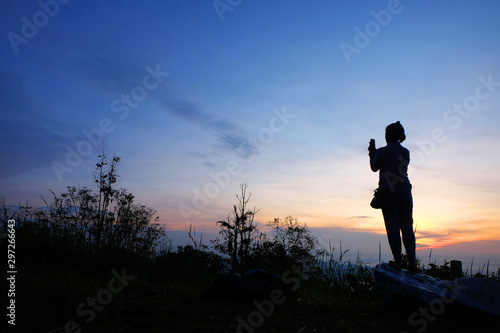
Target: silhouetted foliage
{"x": 105, "y": 177}
{"x": 84, "y": 219}
{"x": 289, "y": 243}
{"x": 238, "y": 230}
{"x": 294, "y": 238}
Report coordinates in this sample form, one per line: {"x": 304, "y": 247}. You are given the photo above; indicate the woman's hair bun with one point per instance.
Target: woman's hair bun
{"x": 395, "y": 132}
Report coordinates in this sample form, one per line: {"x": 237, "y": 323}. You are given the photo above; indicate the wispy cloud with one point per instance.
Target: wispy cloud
{"x": 231, "y": 136}
{"x": 468, "y": 231}
{"x": 119, "y": 76}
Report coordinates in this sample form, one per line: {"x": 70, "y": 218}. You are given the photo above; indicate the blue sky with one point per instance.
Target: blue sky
{"x": 199, "y": 96}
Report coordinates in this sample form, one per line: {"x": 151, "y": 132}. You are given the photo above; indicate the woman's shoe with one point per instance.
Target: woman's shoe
{"x": 396, "y": 264}
{"x": 412, "y": 267}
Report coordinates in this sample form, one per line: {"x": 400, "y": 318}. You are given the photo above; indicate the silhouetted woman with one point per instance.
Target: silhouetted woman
{"x": 392, "y": 161}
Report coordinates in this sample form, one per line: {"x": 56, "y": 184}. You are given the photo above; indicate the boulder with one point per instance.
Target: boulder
{"x": 478, "y": 293}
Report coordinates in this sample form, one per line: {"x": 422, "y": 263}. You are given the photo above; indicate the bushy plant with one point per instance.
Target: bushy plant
{"x": 289, "y": 243}
{"x": 84, "y": 219}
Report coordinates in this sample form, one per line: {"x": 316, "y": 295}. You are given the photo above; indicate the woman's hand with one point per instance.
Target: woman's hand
{"x": 371, "y": 147}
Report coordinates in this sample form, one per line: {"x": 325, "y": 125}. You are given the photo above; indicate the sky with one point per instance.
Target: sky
{"x": 199, "y": 96}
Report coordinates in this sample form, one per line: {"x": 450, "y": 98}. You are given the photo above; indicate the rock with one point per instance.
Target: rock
{"x": 478, "y": 293}
{"x": 254, "y": 284}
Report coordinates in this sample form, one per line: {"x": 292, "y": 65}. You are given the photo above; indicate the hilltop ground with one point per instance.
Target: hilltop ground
{"x": 61, "y": 298}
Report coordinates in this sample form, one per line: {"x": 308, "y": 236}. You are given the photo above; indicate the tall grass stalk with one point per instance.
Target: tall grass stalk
{"x": 343, "y": 275}
{"x": 379, "y": 253}
{"x": 197, "y": 245}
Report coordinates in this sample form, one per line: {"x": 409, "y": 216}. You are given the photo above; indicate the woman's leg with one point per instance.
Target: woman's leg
{"x": 408, "y": 235}
{"x": 406, "y": 224}
{"x": 392, "y": 226}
